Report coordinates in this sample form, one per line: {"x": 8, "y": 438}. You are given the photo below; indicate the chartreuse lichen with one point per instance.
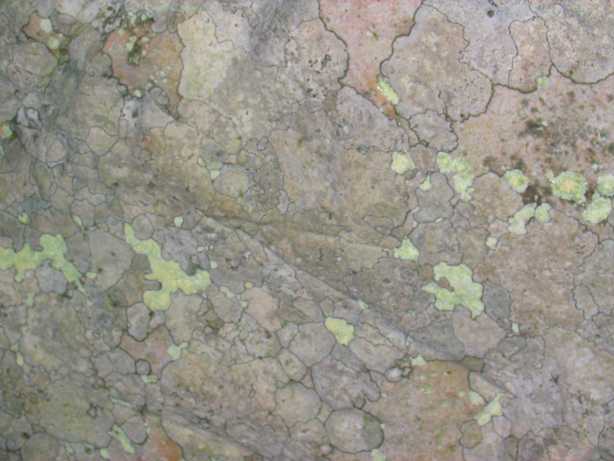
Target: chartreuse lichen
{"x": 387, "y": 91}
{"x": 377, "y": 455}
{"x": 26, "y": 259}
{"x": 175, "y": 352}
{"x": 518, "y": 222}
{"x": 460, "y": 168}
{"x": 492, "y": 409}
{"x": 517, "y": 180}
{"x": 168, "y": 273}
{"x": 343, "y": 331}
{"x": 407, "y": 251}
{"x": 464, "y": 291}
{"x": 426, "y": 184}
{"x": 118, "y": 434}
{"x": 401, "y": 163}
{"x": 542, "y": 213}
{"x": 605, "y": 185}
{"x": 598, "y": 210}
{"x": 570, "y": 186}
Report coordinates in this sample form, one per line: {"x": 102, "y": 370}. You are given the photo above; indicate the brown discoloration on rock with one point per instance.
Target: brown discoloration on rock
{"x": 140, "y": 56}
{"x": 368, "y": 29}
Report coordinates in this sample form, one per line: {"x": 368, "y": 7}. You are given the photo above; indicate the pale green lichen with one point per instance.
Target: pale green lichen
{"x": 342, "y": 330}
{"x": 515, "y": 328}
{"x": 174, "y": 351}
{"x": 118, "y": 434}
{"x": 542, "y": 82}
{"x": 5, "y": 131}
{"x": 518, "y": 222}
{"x": 598, "y": 210}
{"x": 492, "y": 409}
{"x": 363, "y": 305}
{"x": 517, "y": 180}
{"x": 418, "y": 361}
{"x": 570, "y": 186}
{"x": 377, "y": 455}
{"x": 401, "y": 163}
{"x": 387, "y": 91}
{"x": 542, "y": 213}
{"x": 23, "y": 218}
{"x": 465, "y": 292}
{"x": 407, "y": 251}
{"x": 605, "y": 185}
{"x": 104, "y": 453}
{"x": 491, "y": 242}
{"x": 26, "y": 259}
{"x": 168, "y": 273}
{"x": 476, "y": 399}
{"x": 460, "y": 168}
{"x": 426, "y": 184}
{"x": 178, "y": 221}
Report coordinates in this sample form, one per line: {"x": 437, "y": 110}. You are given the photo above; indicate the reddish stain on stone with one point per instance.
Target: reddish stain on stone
{"x": 140, "y": 56}
{"x": 369, "y": 28}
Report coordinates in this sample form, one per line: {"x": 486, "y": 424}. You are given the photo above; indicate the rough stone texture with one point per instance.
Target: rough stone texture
{"x": 252, "y": 230}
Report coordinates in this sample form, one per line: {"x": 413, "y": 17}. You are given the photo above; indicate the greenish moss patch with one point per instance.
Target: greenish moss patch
{"x": 167, "y": 273}
{"x": 343, "y": 331}
{"x": 570, "y": 186}
{"x": 26, "y": 259}
{"x": 464, "y": 291}
{"x": 461, "y": 171}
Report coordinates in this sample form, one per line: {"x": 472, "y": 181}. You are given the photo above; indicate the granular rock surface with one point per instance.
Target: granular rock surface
{"x": 306, "y": 230}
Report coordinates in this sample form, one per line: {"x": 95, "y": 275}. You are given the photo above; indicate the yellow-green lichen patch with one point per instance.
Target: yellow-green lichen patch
{"x": 118, "y": 434}
{"x": 5, "y": 131}
{"x": 605, "y": 185}
{"x": 26, "y": 259}
{"x": 491, "y": 242}
{"x": 461, "y": 171}
{"x": 418, "y": 361}
{"x": 23, "y": 218}
{"x": 542, "y": 213}
{"x": 476, "y": 399}
{"x": 343, "y": 331}
{"x": 426, "y": 184}
{"x": 517, "y": 180}
{"x": 407, "y": 251}
{"x": 598, "y": 210}
{"x": 167, "y": 273}
{"x": 492, "y": 409}
{"x": 377, "y": 455}
{"x": 174, "y": 351}
{"x": 401, "y": 163}
{"x": 465, "y": 292}
{"x": 518, "y": 222}
{"x": 570, "y": 186}
{"x": 387, "y": 91}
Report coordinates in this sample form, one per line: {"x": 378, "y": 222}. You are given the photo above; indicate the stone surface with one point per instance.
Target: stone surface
{"x": 300, "y": 230}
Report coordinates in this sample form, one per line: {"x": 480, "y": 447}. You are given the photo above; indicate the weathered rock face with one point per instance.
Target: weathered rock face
{"x": 306, "y": 230}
